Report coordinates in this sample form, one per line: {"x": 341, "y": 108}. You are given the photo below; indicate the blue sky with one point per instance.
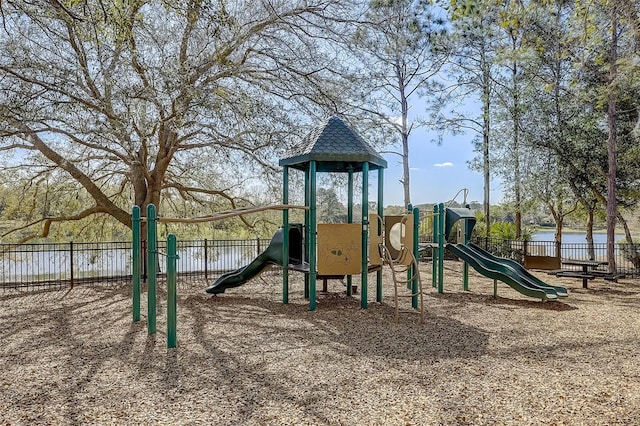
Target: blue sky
{"x": 438, "y": 172}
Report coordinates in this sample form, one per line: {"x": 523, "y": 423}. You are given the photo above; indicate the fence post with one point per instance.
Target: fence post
{"x": 206, "y": 259}
{"x": 172, "y": 303}
{"x": 525, "y": 248}
{"x": 71, "y": 260}
{"x": 152, "y": 262}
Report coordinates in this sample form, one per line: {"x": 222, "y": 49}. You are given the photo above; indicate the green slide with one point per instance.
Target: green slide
{"x": 561, "y": 291}
{"x": 504, "y": 273}
{"x": 271, "y": 256}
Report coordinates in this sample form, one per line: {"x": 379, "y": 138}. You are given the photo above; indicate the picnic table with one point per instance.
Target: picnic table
{"x": 588, "y": 269}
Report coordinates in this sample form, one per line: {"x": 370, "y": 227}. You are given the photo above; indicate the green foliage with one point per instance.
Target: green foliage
{"x": 500, "y": 229}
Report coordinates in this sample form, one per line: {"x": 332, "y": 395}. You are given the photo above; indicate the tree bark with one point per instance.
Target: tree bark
{"x": 612, "y": 141}
{"x": 486, "y": 122}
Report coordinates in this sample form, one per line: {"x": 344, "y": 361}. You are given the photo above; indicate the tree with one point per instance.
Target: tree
{"x": 135, "y": 100}
{"x": 595, "y": 83}
{"x": 399, "y": 43}
{"x": 472, "y": 67}
{"x": 330, "y": 208}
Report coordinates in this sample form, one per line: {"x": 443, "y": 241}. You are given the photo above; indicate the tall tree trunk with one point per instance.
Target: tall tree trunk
{"x": 404, "y": 109}
{"x": 558, "y": 218}
{"x": 612, "y": 141}
{"x": 406, "y": 182}
{"x": 590, "y": 249}
{"x": 632, "y": 254}
{"x": 516, "y": 143}
{"x": 486, "y": 104}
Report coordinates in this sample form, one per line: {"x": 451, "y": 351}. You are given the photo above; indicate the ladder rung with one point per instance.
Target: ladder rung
{"x": 409, "y": 295}
{"x": 409, "y": 311}
{"x": 406, "y": 281}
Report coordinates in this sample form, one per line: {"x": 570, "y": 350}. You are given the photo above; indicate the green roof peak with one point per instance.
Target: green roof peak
{"x": 335, "y": 147}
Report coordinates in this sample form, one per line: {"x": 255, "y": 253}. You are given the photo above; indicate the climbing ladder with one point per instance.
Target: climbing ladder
{"x": 405, "y": 265}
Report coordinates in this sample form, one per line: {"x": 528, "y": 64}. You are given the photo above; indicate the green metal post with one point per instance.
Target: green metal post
{"x": 465, "y": 266}
{"x": 307, "y": 228}
{"x": 152, "y": 264}
{"x": 350, "y": 220}
{"x": 414, "y": 288}
{"x": 434, "y": 251}
{"x": 409, "y": 270}
{"x": 381, "y": 214}
{"x": 365, "y": 235}
{"x": 135, "y": 273}
{"x": 312, "y": 236}
{"x": 285, "y": 236}
{"x": 441, "y": 243}
{"x": 172, "y": 297}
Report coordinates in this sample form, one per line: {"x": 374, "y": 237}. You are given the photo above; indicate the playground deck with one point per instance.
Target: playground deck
{"x": 75, "y": 357}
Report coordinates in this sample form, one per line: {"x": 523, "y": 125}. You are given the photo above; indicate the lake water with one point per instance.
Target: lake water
{"x": 573, "y": 238}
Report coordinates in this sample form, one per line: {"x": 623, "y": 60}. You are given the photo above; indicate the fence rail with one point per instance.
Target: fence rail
{"x": 57, "y": 265}
{"x": 627, "y": 256}
{"x": 63, "y": 265}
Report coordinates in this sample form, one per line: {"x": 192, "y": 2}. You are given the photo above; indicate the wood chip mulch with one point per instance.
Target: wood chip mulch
{"x": 244, "y": 358}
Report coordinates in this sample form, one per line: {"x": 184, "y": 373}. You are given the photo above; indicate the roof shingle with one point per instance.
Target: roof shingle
{"x": 335, "y": 147}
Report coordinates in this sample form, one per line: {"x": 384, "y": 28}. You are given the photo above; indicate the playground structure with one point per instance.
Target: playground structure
{"x": 499, "y": 269}
{"x": 329, "y": 251}
{"x": 332, "y": 147}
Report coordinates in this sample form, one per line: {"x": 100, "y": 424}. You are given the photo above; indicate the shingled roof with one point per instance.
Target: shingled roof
{"x": 335, "y": 147}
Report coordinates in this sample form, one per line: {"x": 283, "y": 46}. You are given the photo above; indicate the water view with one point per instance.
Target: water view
{"x": 574, "y": 238}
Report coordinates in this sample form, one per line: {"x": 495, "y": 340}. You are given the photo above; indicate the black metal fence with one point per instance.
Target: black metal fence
{"x": 57, "y": 265}
{"x": 63, "y": 265}
{"x": 627, "y": 256}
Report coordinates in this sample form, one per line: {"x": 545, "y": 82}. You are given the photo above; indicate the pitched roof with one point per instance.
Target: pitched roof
{"x": 335, "y": 147}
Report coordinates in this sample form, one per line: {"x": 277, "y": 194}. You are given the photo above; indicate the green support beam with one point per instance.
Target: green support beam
{"x": 312, "y": 236}
{"x": 434, "y": 250}
{"x": 172, "y": 297}
{"x": 307, "y": 227}
{"x": 285, "y": 236}
{"x": 414, "y": 282}
{"x": 136, "y": 222}
{"x": 381, "y": 214}
{"x": 365, "y": 235}
{"x": 350, "y": 220}
{"x": 441, "y": 243}
{"x": 152, "y": 265}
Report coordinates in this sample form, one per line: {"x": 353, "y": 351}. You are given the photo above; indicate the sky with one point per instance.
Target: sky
{"x": 437, "y": 171}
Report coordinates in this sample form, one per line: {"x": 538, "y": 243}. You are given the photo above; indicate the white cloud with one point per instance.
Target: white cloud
{"x": 445, "y": 164}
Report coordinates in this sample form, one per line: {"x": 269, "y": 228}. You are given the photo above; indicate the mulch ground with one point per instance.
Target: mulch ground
{"x": 244, "y": 358}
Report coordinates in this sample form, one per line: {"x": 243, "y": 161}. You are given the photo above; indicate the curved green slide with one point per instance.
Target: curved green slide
{"x": 271, "y": 256}
{"x": 499, "y": 271}
{"x": 561, "y": 291}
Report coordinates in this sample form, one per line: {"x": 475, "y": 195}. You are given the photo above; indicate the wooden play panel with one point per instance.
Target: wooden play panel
{"x": 339, "y": 248}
